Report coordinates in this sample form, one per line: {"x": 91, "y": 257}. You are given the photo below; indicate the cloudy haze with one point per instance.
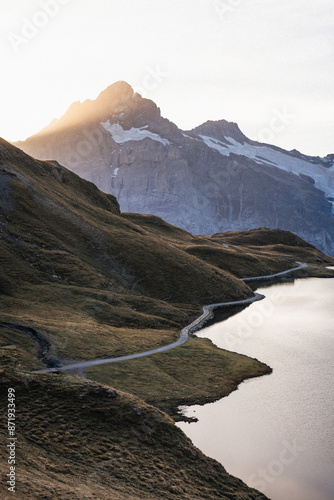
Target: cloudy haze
{"x": 265, "y": 64}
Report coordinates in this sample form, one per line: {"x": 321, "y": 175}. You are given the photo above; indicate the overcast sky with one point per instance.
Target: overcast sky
{"x": 265, "y": 64}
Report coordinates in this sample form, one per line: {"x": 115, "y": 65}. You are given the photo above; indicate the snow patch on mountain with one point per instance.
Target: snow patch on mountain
{"x": 262, "y": 154}
{"x": 133, "y": 134}
{"x": 215, "y": 144}
{"x": 115, "y": 172}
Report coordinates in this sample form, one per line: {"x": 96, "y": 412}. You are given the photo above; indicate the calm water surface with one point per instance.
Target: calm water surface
{"x": 276, "y": 432}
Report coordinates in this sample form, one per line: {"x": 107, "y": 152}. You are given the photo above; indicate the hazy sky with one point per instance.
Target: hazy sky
{"x": 265, "y": 64}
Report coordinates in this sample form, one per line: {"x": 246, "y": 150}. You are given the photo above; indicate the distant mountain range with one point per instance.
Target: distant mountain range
{"x": 208, "y": 180}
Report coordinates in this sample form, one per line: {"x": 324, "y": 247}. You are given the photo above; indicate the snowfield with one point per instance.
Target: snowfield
{"x": 133, "y": 134}
{"x": 262, "y": 154}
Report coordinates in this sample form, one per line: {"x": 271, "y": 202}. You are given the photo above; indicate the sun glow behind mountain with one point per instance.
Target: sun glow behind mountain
{"x": 247, "y": 62}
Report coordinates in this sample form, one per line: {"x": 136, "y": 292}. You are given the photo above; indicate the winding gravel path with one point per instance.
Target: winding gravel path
{"x": 185, "y": 332}
{"x": 302, "y": 265}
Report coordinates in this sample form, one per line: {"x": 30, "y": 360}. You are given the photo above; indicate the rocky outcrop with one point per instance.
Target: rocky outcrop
{"x": 208, "y": 180}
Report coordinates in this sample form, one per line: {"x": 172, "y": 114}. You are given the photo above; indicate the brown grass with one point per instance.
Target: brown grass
{"x": 100, "y": 283}
{"x": 197, "y": 372}
{"x": 82, "y": 440}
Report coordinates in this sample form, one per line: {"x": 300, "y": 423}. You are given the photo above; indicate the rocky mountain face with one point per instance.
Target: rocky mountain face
{"x": 207, "y": 180}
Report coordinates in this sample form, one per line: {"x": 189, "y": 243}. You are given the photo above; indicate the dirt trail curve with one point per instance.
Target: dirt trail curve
{"x": 301, "y": 265}
{"x": 185, "y": 332}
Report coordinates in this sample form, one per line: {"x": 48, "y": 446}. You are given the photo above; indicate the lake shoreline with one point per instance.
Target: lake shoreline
{"x": 248, "y": 432}
{"x": 222, "y": 314}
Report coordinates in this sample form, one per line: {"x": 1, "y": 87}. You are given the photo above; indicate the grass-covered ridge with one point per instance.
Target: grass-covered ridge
{"x": 100, "y": 283}
{"x": 78, "y": 439}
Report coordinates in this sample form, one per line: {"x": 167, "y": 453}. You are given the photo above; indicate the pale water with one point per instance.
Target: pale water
{"x": 276, "y": 432}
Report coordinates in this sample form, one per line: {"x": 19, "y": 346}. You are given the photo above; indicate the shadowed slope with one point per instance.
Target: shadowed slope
{"x": 97, "y": 283}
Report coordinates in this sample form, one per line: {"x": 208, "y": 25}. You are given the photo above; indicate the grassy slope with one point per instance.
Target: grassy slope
{"x": 245, "y": 253}
{"x": 101, "y": 283}
{"x": 68, "y": 258}
{"x": 197, "y": 373}
{"x": 82, "y": 440}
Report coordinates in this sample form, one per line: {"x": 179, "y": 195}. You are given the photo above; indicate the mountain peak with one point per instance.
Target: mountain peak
{"x": 221, "y": 129}
{"x": 112, "y": 100}
{"x": 116, "y": 91}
